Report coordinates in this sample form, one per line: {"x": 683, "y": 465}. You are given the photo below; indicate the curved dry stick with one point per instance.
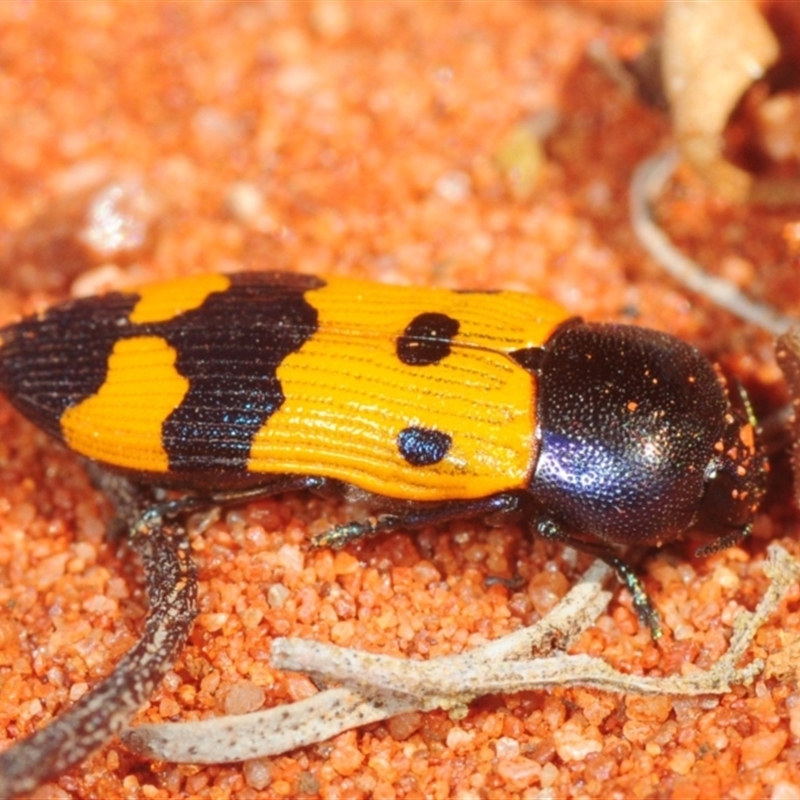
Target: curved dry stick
{"x": 379, "y": 687}
{"x": 647, "y": 184}
{"x": 171, "y": 584}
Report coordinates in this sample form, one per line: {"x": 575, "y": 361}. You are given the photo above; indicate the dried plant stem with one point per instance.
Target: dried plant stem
{"x": 378, "y": 687}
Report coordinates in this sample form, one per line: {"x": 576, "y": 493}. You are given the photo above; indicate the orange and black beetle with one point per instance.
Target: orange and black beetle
{"x": 439, "y": 404}
{"x": 442, "y": 404}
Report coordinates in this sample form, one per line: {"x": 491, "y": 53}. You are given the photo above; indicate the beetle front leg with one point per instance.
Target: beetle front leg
{"x": 645, "y": 610}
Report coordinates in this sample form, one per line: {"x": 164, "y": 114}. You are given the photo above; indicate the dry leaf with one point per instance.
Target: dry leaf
{"x": 713, "y": 51}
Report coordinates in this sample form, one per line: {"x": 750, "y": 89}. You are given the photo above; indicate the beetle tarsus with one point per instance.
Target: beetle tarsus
{"x": 341, "y": 535}
{"x": 642, "y": 604}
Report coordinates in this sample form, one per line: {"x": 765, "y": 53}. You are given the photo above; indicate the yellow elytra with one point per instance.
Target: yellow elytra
{"x": 408, "y": 393}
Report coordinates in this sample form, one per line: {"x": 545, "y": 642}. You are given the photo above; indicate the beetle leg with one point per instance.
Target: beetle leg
{"x": 279, "y": 484}
{"x": 128, "y": 496}
{"x": 136, "y": 504}
{"x": 728, "y": 540}
{"x": 648, "y": 615}
{"x": 418, "y": 516}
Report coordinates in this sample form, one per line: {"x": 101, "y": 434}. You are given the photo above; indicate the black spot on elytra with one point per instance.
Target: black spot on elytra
{"x": 532, "y": 358}
{"x": 423, "y": 447}
{"x": 427, "y": 339}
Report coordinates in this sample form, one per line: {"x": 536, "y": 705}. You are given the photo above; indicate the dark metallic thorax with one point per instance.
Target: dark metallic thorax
{"x": 628, "y": 420}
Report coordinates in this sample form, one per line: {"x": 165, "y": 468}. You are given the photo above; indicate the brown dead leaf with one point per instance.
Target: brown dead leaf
{"x": 713, "y": 51}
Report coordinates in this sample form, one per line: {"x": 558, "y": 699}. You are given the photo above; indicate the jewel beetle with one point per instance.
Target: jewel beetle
{"x": 438, "y": 404}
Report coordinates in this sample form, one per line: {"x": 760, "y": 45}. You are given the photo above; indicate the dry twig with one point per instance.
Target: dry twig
{"x": 378, "y": 687}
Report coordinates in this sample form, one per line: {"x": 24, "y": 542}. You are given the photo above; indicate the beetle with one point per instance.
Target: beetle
{"x": 438, "y": 404}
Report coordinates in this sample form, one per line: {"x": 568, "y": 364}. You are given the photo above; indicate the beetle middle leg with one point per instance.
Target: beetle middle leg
{"x": 397, "y": 515}
{"x": 419, "y": 515}
{"x": 279, "y": 484}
